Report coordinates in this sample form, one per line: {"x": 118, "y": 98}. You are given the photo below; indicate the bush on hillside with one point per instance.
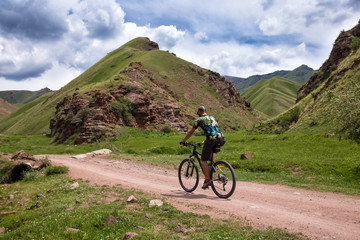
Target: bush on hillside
{"x": 122, "y": 109}
{"x": 355, "y": 43}
{"x": 292, "y": 116}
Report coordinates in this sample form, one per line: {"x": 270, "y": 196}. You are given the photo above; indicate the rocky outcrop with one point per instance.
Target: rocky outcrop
{"x": 140, "y": 101}
{"x": 223, "y": 87}
{"x": 88, "y": 117}
{"x": 341, "y": 49}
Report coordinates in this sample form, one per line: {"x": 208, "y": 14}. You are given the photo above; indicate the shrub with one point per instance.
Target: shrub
{"x": 122, "y": 109}
{"x": 56, "y": 170}
{"x": 166, "y": 129}
{"x": 355, "y": 43}
{"x": 45, "y": 161}
{"x": 30, "y": 176}
{"x": 290, "y": 117}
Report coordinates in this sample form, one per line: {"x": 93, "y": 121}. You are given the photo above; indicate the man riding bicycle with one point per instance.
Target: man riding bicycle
{"x": 214, "y": 138}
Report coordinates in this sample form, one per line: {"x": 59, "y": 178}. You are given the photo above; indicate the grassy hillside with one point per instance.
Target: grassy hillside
{"x": 300, "y": 75}
{"x": 6, "y": 108}
{"x": 22, "y": 97}
{"x": 329, "y": 102}
{"x": 272, "y": 96}
{"x": 184, "y": 83}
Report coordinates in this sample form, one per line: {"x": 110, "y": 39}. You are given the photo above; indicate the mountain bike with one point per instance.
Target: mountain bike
{"x": 222, "y": 175}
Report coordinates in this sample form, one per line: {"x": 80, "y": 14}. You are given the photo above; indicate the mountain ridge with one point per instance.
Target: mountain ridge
{"x": 22, "y": 96}
{"x": 300, "y": 75}
{"x": 136, "y": 85}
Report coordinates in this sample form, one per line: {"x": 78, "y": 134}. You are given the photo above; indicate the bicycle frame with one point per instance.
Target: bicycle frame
{"x": 197, "y": 154}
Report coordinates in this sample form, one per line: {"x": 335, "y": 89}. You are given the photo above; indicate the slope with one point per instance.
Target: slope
{"x": 22, "y": 96}
{"x": 300, "y": 75}
{"x": 136, "y": 85}
{"x": 6, "y": 108}
{"x": 329, "y": 102}
{"x": 272, "y": 96}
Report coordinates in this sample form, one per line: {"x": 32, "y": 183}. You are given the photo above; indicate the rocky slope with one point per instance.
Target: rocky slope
{"x": 329, "y": 102}
{"x": 90, "y": 116}
{"x": 340, "y": 51}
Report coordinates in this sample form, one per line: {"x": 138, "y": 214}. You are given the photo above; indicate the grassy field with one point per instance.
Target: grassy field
{"x": 44, "y": 207}
{"x": 308, "y": 161}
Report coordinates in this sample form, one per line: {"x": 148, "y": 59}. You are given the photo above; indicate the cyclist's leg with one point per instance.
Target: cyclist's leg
{"x": 205, "y": 156}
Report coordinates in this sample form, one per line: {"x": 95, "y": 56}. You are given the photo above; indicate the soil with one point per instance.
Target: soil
{"x": 316, "y": 215}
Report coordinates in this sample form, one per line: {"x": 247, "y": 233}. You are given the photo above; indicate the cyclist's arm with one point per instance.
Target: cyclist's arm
{"x": 189, "y": 134}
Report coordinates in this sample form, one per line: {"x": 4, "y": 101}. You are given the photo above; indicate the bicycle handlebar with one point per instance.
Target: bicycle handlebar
{"x": 192, "y": 144}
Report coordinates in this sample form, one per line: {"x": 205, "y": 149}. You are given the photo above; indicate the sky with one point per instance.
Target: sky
{"x": 47, "y": 43}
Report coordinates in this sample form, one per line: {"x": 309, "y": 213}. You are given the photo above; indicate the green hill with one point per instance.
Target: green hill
{"x": 22, "y": 96}
{"x": 6, "y": 108}
{"x": 272, "y": 96}
{"x": 329, "y": 102}
{"x": 300, "y": 75}
{"x": 136, "y": 85}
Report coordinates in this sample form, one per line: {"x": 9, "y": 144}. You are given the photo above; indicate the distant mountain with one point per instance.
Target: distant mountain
{"x": 136, "y": 85}
{"x": 6, "y": 108}
{"x": 329, "y": 101}
{"x": 272, "y": 96}
{"x": 300, "y": 75}
{"x": 22, "y": 96}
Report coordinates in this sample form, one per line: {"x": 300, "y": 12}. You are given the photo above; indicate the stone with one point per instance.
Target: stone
{"x": 80, "y": 156}
{"x": 74, "y": 185}
{"x": 101, "y": 152}
{"x": 246, "y": 156}
{"x": 130, "y": 235}
{"x": 23, "y": 155}
{"x": 111, "y": 220}
{"x": 132, "y": 199}
{"x": 156, "y": 202}
{"x": 72, "y": 230}
{"x": 180, "y": 228}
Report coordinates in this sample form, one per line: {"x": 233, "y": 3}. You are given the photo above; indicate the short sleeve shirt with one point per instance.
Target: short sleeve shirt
{"x": 209, "y": 125}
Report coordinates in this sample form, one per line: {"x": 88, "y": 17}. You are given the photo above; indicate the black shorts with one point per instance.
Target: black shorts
{"x": 208, "y": 149}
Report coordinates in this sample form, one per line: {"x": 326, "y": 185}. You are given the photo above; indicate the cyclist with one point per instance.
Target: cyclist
{"x": 214, "y": 138}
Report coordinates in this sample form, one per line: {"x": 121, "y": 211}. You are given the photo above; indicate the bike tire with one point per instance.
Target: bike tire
{"x": 188, "y": 175}
{"x": 223, "y": 179}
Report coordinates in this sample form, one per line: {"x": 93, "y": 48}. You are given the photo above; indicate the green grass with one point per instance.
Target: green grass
{"x": 316, "y": 162}
{"x": 272, "y": 96}
{"x": 43, "y": 208}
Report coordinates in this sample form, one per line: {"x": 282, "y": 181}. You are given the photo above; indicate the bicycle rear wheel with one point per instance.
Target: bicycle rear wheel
{"x": 223, "y": 179}
{"x": 188, "y": 175}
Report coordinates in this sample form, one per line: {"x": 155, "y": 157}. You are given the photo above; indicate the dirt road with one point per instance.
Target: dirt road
{"x": 316, "y": 215}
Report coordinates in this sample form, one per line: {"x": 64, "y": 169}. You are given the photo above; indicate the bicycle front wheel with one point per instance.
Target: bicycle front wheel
{"x": 188, "y": 175}
{"x": 223, "y": 179}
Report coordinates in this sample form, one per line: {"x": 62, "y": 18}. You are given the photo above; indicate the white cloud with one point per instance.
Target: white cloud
{"x": 253, "y": 37}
